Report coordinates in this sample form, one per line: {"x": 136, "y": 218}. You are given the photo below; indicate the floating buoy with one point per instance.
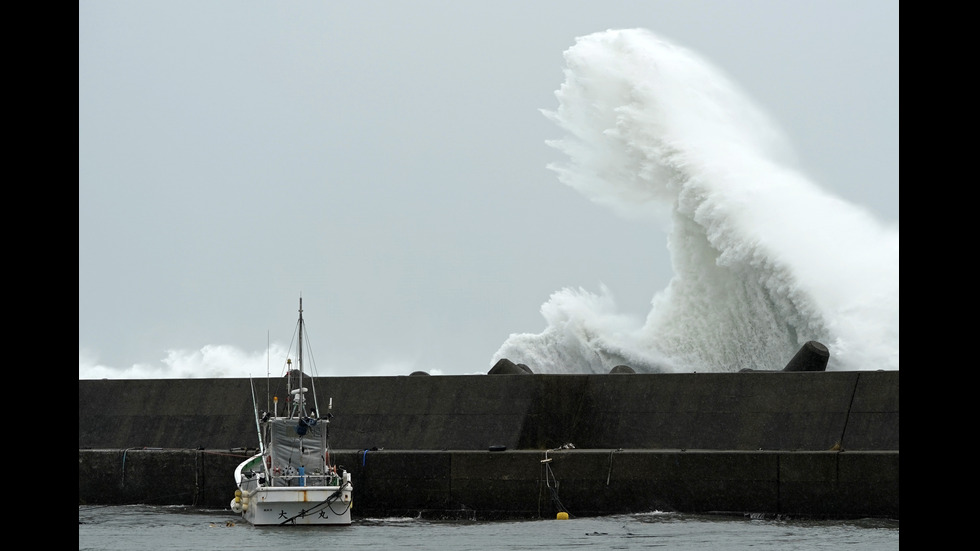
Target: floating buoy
{"x": 562, "y": 516}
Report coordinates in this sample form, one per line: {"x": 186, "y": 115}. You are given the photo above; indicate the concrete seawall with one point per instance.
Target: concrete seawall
{"x": 796, "y": 443}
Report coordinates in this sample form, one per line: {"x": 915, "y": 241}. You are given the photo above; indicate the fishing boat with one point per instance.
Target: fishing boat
{"x": 291, "y": 480}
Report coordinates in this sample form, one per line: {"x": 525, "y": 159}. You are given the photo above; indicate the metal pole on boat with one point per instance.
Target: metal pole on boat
{"x": 255, "y": 410}
{"x": 258, "y": 430}
{"x": 300, "y": 396}
{"x": 268, "y": 369}
{"x": 289, "y": 387}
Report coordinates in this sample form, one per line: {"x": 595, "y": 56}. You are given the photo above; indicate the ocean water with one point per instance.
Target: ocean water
{"x": 764, "y": 259}
{"x": 147, "y": 528}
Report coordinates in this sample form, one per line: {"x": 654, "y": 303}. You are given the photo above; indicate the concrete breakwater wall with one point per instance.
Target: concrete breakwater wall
{"x": 514, "y": 484}
{"x": 805, "y": 443}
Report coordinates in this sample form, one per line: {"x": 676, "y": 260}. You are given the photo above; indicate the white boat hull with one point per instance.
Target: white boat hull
{"x": 313, "y": 505}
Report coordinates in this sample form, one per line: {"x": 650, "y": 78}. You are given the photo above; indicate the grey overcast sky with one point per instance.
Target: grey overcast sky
{"x": 387, "y": 162}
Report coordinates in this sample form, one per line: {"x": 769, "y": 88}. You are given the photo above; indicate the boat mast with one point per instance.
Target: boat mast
{"x": 300, "y": 396}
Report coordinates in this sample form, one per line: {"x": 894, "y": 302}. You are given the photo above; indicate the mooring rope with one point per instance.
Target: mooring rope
{"x": 549, "y": 475}
{"x": 330, "y": 499}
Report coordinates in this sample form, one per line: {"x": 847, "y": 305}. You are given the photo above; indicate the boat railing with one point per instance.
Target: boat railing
{"x": 291, "y": 480}
{"x": 306, "y": 480}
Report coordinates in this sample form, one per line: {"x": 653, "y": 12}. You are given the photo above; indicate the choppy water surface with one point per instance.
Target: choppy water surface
{"x": 144, "y": 528}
